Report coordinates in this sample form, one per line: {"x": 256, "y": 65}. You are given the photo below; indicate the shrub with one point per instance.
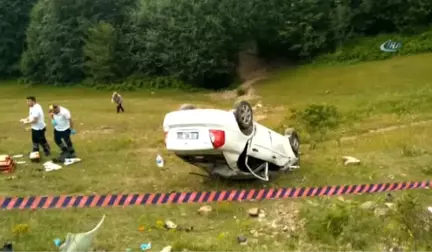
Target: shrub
{"x": 318, "y": 117}
{"x": 337, "y": 223}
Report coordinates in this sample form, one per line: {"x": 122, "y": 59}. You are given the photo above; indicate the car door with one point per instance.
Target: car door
{"x": 260, "y": 145}
{"x": 281, "y": 148}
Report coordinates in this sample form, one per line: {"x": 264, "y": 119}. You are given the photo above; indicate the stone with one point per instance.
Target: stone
{"x": 254, "y": 212}
{"x": 242, "y": 239}
{"x": 205, "y": 210}
{"x": 368, "y": 205}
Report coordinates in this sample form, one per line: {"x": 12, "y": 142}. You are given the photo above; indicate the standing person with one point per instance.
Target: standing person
{"x": 116, "y": 97}
{"x": 38, "y": 126}
{"x": 63, "y": 129}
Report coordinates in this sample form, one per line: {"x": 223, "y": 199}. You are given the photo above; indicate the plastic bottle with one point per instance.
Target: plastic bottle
{"x": 159, "y": 161}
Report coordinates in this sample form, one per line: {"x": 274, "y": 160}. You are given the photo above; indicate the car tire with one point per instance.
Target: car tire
{"x": 187, "y": 107}
{"x": 294, "y": 140}
{"x": 244, "y": 116}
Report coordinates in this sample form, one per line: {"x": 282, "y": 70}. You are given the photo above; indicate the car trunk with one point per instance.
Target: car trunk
{"x": 198, "y": 117}
{"x": 188, "y": 130}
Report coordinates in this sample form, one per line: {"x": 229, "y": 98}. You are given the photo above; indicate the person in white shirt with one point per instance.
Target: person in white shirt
{"x": 63, "y": 129}
{"x": 38, "y": 126}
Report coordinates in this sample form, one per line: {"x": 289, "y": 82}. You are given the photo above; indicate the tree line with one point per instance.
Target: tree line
{"x": 61, "y": 42}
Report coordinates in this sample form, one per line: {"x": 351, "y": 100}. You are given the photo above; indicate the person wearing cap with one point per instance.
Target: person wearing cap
{"x": 63, "y": 129}
{"x": 38, "y": 126}
{"x": 117, "y": 99}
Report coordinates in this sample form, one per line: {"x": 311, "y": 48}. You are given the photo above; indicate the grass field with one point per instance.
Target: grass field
{"x": 119, "y": 150}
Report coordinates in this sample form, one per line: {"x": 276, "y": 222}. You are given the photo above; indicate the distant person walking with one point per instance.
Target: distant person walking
{"x": 117, "y": 99}
{"x": 38, "y": 126}
{"x": 63, "y": 129}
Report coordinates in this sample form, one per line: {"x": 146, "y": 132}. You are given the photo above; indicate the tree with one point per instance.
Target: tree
{"x": 14, "y": 18}
{"x": 56, "y": 36}
{"x": 99, "y": 52}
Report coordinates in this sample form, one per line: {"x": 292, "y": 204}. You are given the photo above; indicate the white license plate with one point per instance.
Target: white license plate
{"x": 187, "y": 135}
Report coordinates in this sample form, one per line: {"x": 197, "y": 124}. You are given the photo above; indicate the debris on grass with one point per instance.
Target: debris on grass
{"x": 170, "y": 225}
{"x": 167, "y": 249}
{"x": 350, "y": 160}
{"x": 429, "y": 209}
{"x": 205, "y": 210}
{"x": 50, "y": 166}
{"x": 80, "y": 241}
{"x": 57, "y": 242}
{"x": 69, "y": 161}
{"x": 242, "y": 239}
{"x": 159, "y": 161}
{"x": 145, "y": 246}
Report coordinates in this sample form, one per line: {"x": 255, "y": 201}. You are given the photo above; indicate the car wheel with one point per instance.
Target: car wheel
{"x": 244, "y": 115}
{"x": 294, "y": 140}
{"x": 187, "y": 107}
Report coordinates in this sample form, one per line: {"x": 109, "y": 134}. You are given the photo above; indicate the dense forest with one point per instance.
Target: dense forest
{"x": 62, "y": 42}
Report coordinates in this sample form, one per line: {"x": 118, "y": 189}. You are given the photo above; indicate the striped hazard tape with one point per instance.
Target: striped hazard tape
{"x": 92, "y": 201}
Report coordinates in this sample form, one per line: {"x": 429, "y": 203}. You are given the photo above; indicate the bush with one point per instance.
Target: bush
{"x": 404, "y": 223}
{"x": 318, "y": 117}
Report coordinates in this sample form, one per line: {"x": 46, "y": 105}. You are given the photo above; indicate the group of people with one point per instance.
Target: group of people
{"x": 61, "y": 120}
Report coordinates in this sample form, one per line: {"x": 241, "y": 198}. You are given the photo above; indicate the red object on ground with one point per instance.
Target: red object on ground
{"x": 7, "y": 164}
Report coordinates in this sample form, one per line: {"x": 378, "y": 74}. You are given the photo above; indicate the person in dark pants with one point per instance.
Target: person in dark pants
{"x": 63, "y": 129}
{"x": 38, "y": 126}
{"x": 116, "y": 97}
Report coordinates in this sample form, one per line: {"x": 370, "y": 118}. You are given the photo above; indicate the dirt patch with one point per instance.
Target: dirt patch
{"x": 385, "y": 129}
{"x": 102, "y": 130}
{"x": 248, "y": 90}
{"x": 147, "y": 150}
{"x": 262, "y": 112}
{"x": 251, "y": 70}
{"x": 260, "y": 117}
{"x": 282, "y": 220}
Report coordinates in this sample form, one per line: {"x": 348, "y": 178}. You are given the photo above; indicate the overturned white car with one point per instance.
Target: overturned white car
{"x": 230, "y": 144}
